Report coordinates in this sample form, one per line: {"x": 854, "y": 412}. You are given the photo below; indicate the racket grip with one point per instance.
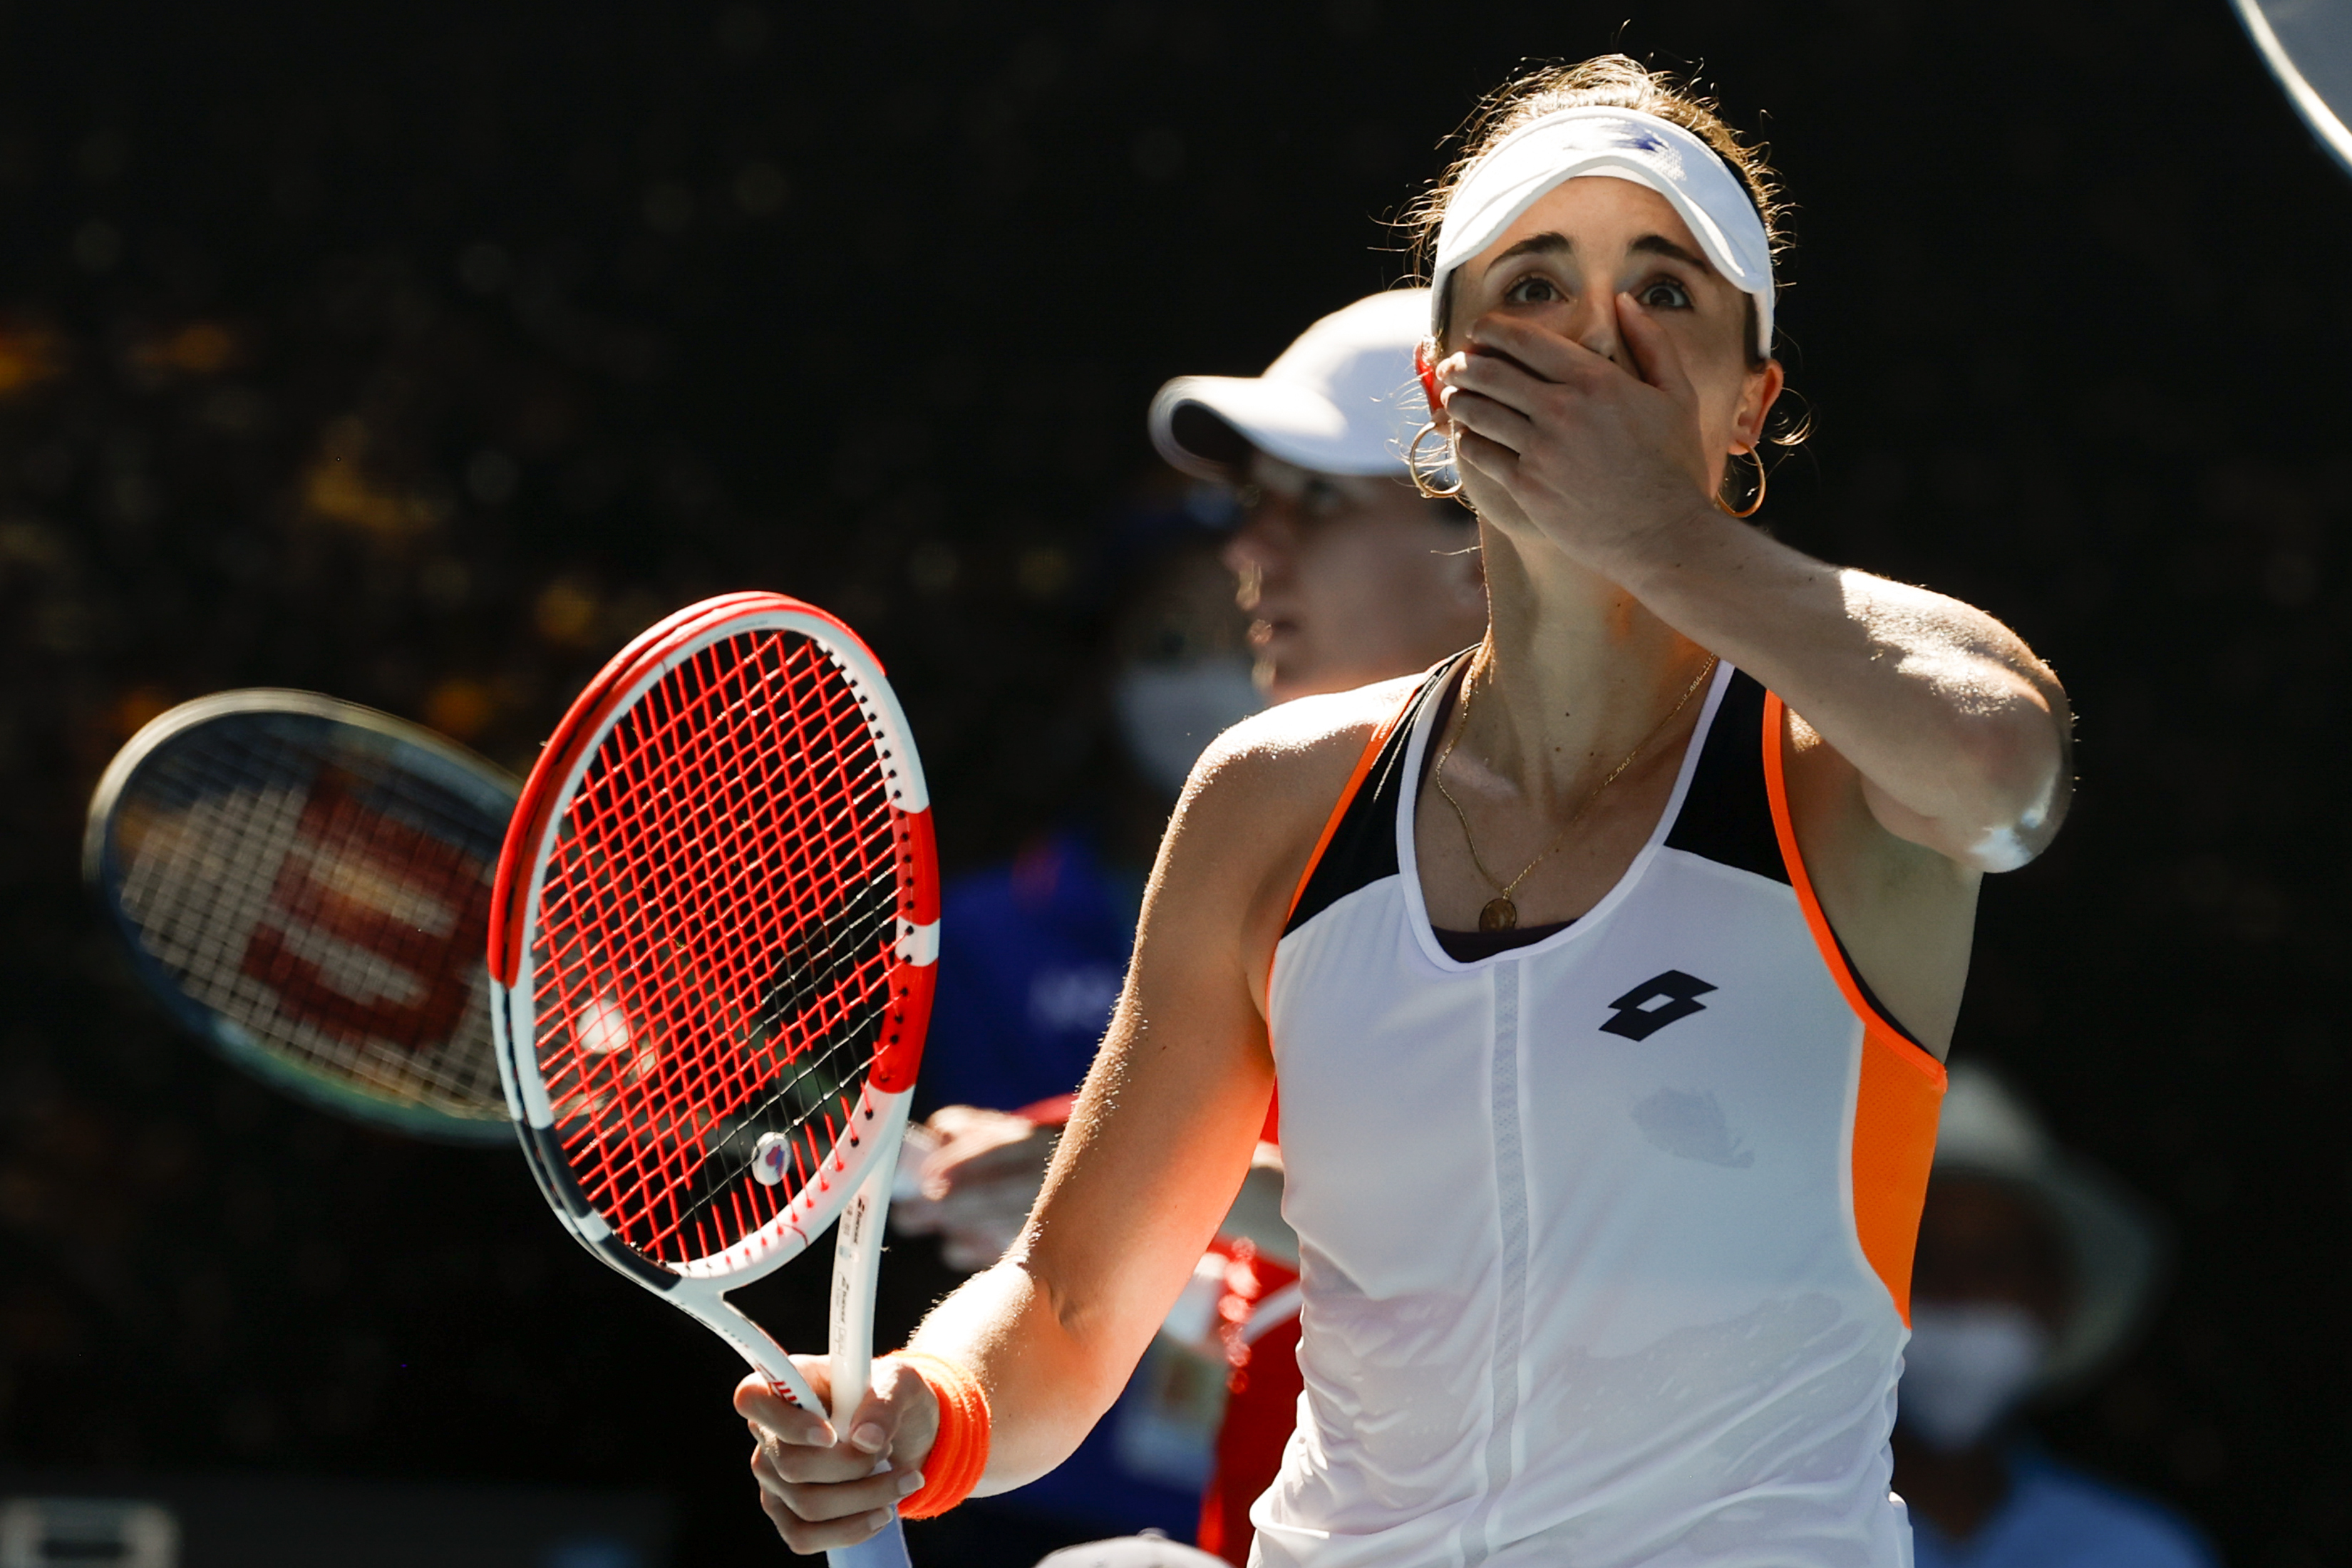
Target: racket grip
{"x": 858, "y": 1253}
{"x": 885, "y": 1549}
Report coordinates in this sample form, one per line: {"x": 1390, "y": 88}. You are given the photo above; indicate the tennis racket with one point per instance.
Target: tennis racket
{"x": 305, "y": 884}
{"x": 2309, "y": 48}
{"x": 711, "y": 963}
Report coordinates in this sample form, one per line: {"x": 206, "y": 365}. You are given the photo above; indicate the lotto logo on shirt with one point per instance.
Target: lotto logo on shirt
{"x": 1656, "y": 1002}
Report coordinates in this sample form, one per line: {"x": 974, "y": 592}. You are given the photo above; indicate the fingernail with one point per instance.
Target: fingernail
{"x": 822, "y": 1439}
{"x": 910, "y": 1483}
{"x": 880, "y": 1518}
{"x": 869, "y": 1438}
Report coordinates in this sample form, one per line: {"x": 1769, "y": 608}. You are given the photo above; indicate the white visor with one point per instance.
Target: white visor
{"x": 1620, "y": 144}
{"x": 1343, "y": 399}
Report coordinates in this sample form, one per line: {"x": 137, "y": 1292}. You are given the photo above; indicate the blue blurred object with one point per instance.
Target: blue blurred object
{"x": 1034, "y": 956}
{"x": 594, "y": 1552}
{"x": 2057, "y": 1517}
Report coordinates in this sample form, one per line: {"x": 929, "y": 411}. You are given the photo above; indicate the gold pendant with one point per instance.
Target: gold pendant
{"x": 1500, "y": 914}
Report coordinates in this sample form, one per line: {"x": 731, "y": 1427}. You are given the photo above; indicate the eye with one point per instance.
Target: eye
{"x": 1320, "y": 499}
{"x": 1666, "y": 294}
{"x": 1533, "y": 290}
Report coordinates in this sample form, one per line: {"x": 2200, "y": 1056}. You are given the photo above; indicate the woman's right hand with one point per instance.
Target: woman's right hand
{"x": 823, "y": 1488}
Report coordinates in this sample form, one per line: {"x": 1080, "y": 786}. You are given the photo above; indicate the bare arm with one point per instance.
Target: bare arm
{"x": 1959, "y": 734}
{"x": 1159, "y": 1143}
{"x": 1161, "y": 1139}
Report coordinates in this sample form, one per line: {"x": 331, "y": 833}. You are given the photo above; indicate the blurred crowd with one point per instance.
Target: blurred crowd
{"x": 422, "y": 354}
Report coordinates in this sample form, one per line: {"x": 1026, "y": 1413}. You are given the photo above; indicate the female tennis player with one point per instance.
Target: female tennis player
{"x": 1607, "y": 969}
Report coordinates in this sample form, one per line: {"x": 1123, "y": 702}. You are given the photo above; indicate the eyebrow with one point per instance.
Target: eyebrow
{"x": 1659, "y": 244}
{"x": 1552, "y": 243}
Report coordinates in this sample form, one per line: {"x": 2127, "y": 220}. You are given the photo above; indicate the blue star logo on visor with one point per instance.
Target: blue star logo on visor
{"x": 1596, "y": 135}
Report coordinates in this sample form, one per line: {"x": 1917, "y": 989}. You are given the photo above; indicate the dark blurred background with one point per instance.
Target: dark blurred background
{"x": 421, "y": 353}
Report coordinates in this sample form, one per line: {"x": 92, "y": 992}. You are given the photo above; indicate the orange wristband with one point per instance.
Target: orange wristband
{"x": 960, "y": 1453}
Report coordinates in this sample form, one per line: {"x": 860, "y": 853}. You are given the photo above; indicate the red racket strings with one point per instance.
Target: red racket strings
{"x": 717, "y": 928}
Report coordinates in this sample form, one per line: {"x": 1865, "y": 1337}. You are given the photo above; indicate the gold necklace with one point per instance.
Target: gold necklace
{"x": 1500, "y": 913}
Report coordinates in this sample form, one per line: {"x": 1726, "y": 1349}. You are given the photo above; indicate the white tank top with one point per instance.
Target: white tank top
{"x": 1606, "y": 1239}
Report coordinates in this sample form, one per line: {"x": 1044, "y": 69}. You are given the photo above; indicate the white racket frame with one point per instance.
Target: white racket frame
{"x": 852, "y": 1192}
{"x": 2326, "y": 120}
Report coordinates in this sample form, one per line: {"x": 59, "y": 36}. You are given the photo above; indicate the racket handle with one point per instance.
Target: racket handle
{"x": 856, "y": 1263}
{"x": 857, "y": 1259}
{"x": 887, "y": 1550}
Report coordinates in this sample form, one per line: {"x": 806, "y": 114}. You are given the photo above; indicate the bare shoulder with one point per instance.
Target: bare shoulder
{"x": 1294, "y": 757}
{"x": 1254, "y": 807}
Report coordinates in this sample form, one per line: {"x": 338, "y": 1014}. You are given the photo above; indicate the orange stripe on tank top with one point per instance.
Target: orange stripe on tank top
{"x": 1272, "y": 1131}
{"x": 1364, "y": 760}
{"x": 1902, "y": 1087}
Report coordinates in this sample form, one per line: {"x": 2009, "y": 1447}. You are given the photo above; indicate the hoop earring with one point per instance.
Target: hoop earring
{"x": 1758, "y": 458}
{"x": 1412, "y": 467}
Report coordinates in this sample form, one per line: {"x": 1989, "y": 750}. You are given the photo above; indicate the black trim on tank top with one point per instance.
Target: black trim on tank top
{"x": 1363, "y": 846}
{"x": 1889, "y": 1019}
{"x": 1470, "y": 946}
{"x": 1727, "y": 815}
{"x": 1742, "y": 796}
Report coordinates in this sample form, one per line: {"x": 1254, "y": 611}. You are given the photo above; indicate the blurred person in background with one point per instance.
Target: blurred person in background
{"x": 2033, "y": 1272}
{"x": 1348, "y": 575}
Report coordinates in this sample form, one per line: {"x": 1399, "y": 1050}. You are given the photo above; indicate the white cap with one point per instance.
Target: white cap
{"x": 1617, "y": 144}
{"x": 2115, "y": 1244}
{"x": 1343, "y": 399}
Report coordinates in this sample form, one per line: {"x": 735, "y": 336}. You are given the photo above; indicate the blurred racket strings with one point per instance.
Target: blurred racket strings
{"x": 722, "y": 983}
{"x": 301, "y": 879}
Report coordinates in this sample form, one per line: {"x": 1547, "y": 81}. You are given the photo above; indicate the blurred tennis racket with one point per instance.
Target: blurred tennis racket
{"x": 2307, "y": 44}
{"x": 711, "y": 953}
{"x": 306, "y": 883}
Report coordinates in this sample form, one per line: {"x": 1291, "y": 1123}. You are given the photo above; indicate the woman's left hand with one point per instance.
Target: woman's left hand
{"x": 1595, "y": 455}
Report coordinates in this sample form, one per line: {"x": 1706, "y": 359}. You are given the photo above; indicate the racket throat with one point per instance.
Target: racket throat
{"x": 702, "y": 1300}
